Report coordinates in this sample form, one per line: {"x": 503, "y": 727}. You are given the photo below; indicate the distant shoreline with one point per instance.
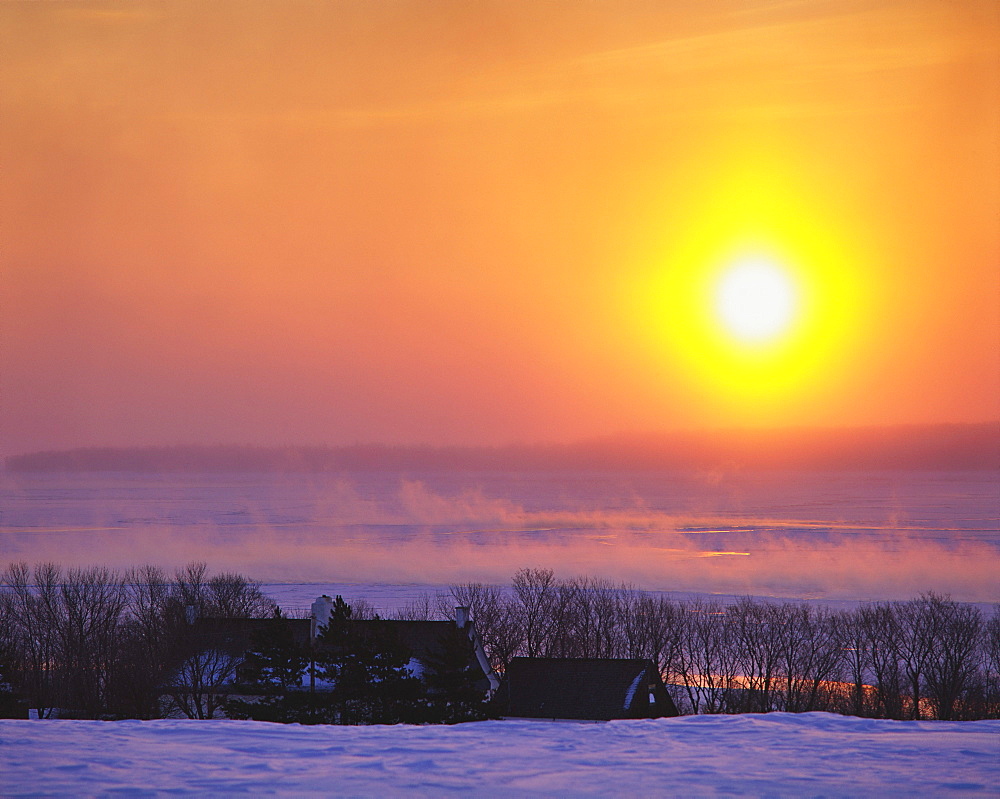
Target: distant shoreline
{"x": 955, "y": 446}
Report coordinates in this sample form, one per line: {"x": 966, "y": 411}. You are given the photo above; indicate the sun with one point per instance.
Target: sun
{"x": 755, "y": 300}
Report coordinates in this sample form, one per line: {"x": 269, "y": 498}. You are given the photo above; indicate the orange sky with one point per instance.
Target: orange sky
{"x": 485, "y": 222}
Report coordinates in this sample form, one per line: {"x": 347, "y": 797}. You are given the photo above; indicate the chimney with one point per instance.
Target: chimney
{"x": 461, "y": 617}
{"x": 321, "y": 610}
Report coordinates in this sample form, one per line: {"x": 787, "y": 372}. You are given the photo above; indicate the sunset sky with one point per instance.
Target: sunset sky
{"x": 488, "y": 222}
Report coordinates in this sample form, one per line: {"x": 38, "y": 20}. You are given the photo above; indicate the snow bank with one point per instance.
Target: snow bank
{"x": 777, "y": 754}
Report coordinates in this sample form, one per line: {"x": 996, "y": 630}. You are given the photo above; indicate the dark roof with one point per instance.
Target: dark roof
{"x": 420, "y": 638}
{"x": 239, "y": 635}
{"x": 426, "y": 641}
{"x": 598, "y": 689}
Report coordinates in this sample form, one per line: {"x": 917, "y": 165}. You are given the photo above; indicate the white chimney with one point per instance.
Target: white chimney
{"x": 321, "y": 610}
{"x": 461, "y": 617}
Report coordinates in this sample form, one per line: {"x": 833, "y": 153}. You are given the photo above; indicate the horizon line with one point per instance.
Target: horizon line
{"x": 945, "y": 444}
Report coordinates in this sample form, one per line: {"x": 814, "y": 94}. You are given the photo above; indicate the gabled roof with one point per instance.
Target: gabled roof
{"x": 428, "y": 641}
{"x": 598, "y": 689}
{"x": 425, "y": 641}
{"x": 422, "y": 639}
{"x": 238, "y": 635}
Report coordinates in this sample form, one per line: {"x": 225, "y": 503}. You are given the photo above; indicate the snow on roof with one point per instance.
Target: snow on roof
{"x": 582, "y": 688}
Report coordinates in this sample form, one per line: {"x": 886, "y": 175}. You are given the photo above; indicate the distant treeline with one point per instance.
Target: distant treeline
{"x": 966, "y": 446}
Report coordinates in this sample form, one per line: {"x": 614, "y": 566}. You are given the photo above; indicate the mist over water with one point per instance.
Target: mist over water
{"x": 833, "y": 535}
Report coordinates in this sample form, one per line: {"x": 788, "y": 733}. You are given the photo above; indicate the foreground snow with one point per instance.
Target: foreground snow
{"x": 813, "y": 754}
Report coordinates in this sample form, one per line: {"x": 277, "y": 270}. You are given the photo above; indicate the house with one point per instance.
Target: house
{"x": 213, "y": 669}
{"x": 424, "y": 640}
{"x": 236, "y": 636}
{"x": 583, "y": 689}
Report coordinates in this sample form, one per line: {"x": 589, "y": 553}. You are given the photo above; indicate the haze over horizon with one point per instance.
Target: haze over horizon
{"x": 479, "y": 224}
{"x": 943, "y": 446}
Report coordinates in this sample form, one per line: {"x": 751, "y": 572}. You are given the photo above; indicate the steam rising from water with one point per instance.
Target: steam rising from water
{"x": 759, "y": 540}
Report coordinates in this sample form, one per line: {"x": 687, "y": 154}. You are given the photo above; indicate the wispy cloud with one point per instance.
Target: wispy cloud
{"x": 809, "y": 67}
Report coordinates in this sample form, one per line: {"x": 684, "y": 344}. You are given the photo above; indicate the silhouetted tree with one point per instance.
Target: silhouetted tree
{"x": 454, "y": 689}
{"x": 497, "y": 618}
{"x": 856, "y": 648}
{"x": 147, "y": 645}
{"x": 914, "y": 640}
{"x": 536, "y": 592}
{"x": 367, "y": 669}
{"x": 204, "y": 665}
{"x": 272, "y": 672}
{"x": 880, "y": 626}
{"x": 990, "y": 644}
{"x": 952, "y": 668}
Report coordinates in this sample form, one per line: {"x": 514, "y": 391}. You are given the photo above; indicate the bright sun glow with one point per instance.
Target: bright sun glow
{"x": 752, "y": 301}
{"x": 755, "y": 300}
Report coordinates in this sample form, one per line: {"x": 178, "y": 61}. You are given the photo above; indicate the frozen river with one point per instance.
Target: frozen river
{"x": 826, "y": 535}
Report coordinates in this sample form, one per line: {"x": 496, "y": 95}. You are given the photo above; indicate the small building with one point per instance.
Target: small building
{"x": 217, "y": 649}
{"x": 583, "y": 689}
{"x": 424, "y": 640}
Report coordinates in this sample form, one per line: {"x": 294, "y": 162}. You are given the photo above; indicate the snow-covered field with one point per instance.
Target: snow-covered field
{"x": 813, "y": 754}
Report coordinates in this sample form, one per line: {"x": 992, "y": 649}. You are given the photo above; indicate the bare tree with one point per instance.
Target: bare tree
{"x": 535, "y": 590}
{"x": 32, "y": 634}
{"x": 853, "y": 634}
{"x": 596, "y": 607}
{"x": 150, "y": 634}
{"x": 189, "y": 592}
{"x": 914, "y": 642}
{"x": 91, "y": 616}
{"x": 880, "y": 626}
{"x": 66, "y": 632}
{"x": 653, "y": 628}
{"x": 199, "y": 686}
{"x": 952, "y": 667}
{"x": 497, "y": 620}
{"x": 990, "y": 645}
{"x": 424, "y": 607}
{"x": 706, "y": 663}
{"x": 203, "y": 665}
{"x": 9, "y": 692}
{"x": 757, "y": 627}
{"x": 566, "y": 608}
{"x": 233, "y": 596}
{"x": 811, "y": 658}
{"x": 650, "y": 628}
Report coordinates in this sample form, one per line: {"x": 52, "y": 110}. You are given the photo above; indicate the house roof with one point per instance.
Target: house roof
{"x": 421, "y": 638}
{"x": 425, "y": 641}
{"x": 238, "y": 635}
{"x": 597, "y": 689}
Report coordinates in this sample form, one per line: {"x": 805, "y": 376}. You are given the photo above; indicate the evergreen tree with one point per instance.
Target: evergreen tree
{"x": 273, "y": 672}
{"x": 276, "y": 659}
{"x": 367, "y": 669}
{"x": 456, "y": 687}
